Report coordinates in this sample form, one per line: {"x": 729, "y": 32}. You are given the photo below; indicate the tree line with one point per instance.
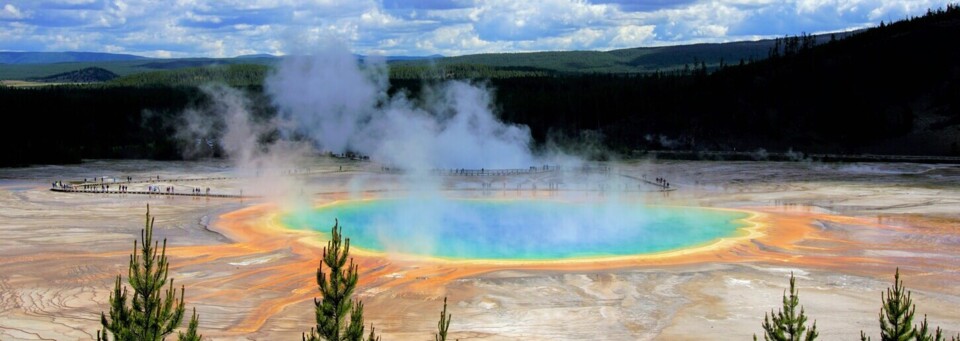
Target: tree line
{"x": 237, "y": 75}
{"x": 886, "y": 90}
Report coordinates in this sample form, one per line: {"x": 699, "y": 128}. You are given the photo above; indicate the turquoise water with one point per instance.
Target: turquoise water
{"x": 518, "y": 229}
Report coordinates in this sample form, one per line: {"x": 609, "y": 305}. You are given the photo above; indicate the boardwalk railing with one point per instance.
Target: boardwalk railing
{"x": 662, "y": 187}
{"x": 504, "y": 172}
{"x": 796, "y": 156}
{"x": 111, "y": 181}
{"x": 491, "y": 172}
{"x": 98, "y": 191}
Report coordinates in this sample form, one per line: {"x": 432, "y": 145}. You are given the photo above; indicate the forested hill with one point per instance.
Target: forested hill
{"x": 893, "y": 89}
{"x": 32, "y": 65}
{"x": 62, "y": 57}
{"x": 37, "y": 65}
{"x": 238, "y": 75}
{"x": 88, "y": 75}
{"x": 635, "y": 60}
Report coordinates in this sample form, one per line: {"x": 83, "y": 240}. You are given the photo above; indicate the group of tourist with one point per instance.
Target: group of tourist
{"x": 102, "y": 188}
{"x": 104, "y": 179}
{"x": 462, "y": 171}
{"x": 172, "y": 190}
{"x": 199, "y": 191}
{"x": 101, "y": 185}
{"x": 663, "y": 183}
{"x": 97, "y": 188}
{"x": 155, "y": 188}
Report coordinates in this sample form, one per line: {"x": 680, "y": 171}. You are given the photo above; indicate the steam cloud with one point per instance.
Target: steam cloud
{"x": 339, "y": 104}
{"x": 330, "y": 101}
{"x": 343, "y": 106}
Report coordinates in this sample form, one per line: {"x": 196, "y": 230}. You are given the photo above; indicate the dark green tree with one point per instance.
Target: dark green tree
{"x": 152, "y": 313}
{"x": 335, "y": 290}
{"x": 373, "y": 334}
{"x": 191, "y": 334}
{"x": 787, "y": 325}
{"x": 444, "y": 323}
{"x": 923, "y": 332}
{"x": 896, "y": 314}
{"x": 896, "y": 317}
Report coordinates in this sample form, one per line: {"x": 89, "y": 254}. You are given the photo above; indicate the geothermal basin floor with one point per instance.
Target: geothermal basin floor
{"x": 842, "y": 229}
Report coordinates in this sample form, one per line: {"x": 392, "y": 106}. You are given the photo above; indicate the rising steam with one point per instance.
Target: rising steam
{"x": 339, "y": 104}
{"x": 330, "y": 101}
{"x": 343, "y": 106}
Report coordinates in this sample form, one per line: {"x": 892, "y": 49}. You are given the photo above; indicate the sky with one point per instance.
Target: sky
{"x": 228, "y": 28}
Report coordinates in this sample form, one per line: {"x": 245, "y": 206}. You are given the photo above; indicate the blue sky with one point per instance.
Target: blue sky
{"x": 226, "y": 28}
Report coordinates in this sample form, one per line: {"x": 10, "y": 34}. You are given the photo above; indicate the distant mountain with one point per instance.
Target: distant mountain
{"x": 632, "y": 60}
{"x": 87, "y": 75}
{"x": 361, "y": 58}
{"x": 172, "y": 64}
{"x": 401, "y": 58}
{"x": 641, "y": 60}
{"x": 62, "y": 57}
{"x": 122, "y": 67}
{"x": 254, "y": 56}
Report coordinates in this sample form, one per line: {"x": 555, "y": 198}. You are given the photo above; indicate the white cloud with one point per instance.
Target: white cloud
{"x": 524, "y": 20}
{"x": 114, "y": 49}
{"x": 202, "y": 18}
{"x": 632, "y": 35}
{"x": 713, "y": 31}
{"x": 231, "y": 27}
{"x": 374, "y": 17}
{"x": 215, "y": 48}
{"x": 11, "y": 12}
{"x": 451, "y": 39}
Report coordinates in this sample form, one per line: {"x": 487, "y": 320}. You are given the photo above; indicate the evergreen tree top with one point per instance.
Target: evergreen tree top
{"x": 151, "y": 313}
{"x": 787, "y": 324}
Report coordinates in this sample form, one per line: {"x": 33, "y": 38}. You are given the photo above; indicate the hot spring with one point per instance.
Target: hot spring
{"x": 518, "y": 229}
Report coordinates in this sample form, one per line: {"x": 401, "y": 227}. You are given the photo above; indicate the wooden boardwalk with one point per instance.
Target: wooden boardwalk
{"x": 505, "y": 171}
{"x": 490, "y": 172}
{"x": 97, "y": 187}
{"x": 173, "y": 194}
{"x": 653, "y": 183}
{"x": 151, "y": 180}
{"x": 791, "y": 156}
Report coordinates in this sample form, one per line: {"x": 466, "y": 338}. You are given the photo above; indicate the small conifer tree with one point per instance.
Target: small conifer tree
{"x": 787, "y": 325}
{"x": 444, "y": 323}
{"x": 896, "y": 314}
{"x": 151, "y": 314}
{"x": 923, "y": 332}
{"x": 335, "y": 290}
{"x": 896, "y": 317}
{"x": 373, "y": 334}
{"x": 191, "y": 334}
